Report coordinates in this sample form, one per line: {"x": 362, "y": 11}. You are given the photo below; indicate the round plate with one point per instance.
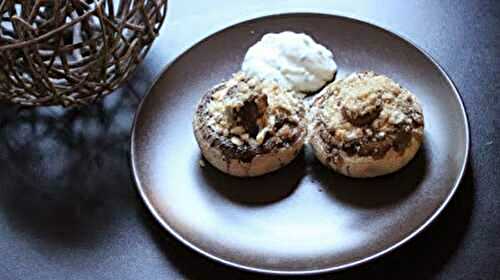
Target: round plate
{"x": 303, "y": 218}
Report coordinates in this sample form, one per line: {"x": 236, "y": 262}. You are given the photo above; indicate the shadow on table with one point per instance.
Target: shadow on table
{"x": 62, "y": 170}
{"x": 421, "y": 258}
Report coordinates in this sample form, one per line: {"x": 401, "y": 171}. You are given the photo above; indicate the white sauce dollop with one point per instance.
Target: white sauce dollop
{"x": 292, "y": 60}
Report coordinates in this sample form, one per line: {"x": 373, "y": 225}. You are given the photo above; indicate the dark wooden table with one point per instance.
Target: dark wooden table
{"x": 69, "y": 209}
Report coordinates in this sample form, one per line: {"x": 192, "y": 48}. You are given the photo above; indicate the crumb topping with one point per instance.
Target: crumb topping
{"x": 252, "y": 115}
{"x": 367, "y": 114}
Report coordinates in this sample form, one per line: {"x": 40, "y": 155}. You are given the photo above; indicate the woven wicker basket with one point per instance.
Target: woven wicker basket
{"x": 72, "y": 52}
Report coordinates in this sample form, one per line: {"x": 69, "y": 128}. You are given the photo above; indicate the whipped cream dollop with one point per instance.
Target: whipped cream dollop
{"x": 292, "y": 60}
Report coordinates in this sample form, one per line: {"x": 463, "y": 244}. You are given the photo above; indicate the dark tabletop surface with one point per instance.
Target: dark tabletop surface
{"x": 69, "y": 209}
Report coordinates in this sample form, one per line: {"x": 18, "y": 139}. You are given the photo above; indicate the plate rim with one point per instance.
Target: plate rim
{"x": 369, "y": 258}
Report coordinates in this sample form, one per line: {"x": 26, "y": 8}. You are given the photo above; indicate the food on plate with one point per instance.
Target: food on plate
{"x": 292, "y": 60}
{"x": 365, "y": 125}
{"x": 245, "y": 127}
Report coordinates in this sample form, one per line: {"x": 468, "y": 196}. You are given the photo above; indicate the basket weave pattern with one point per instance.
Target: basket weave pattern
{"x": 72, "y": 52}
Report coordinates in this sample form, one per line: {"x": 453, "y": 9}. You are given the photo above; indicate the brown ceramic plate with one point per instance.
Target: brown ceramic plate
{"x": 303, "y": 218}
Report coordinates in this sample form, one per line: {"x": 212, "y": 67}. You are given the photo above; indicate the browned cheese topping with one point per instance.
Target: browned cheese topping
{"x": 367, "y": 114}
{"x": 245, "y": 117}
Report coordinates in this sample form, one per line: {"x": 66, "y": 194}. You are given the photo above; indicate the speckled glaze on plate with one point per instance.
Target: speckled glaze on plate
{"x": 303, "y": 218}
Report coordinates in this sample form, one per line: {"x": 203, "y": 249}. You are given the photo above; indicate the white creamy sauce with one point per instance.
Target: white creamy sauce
{"x": 292, "y": 60}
